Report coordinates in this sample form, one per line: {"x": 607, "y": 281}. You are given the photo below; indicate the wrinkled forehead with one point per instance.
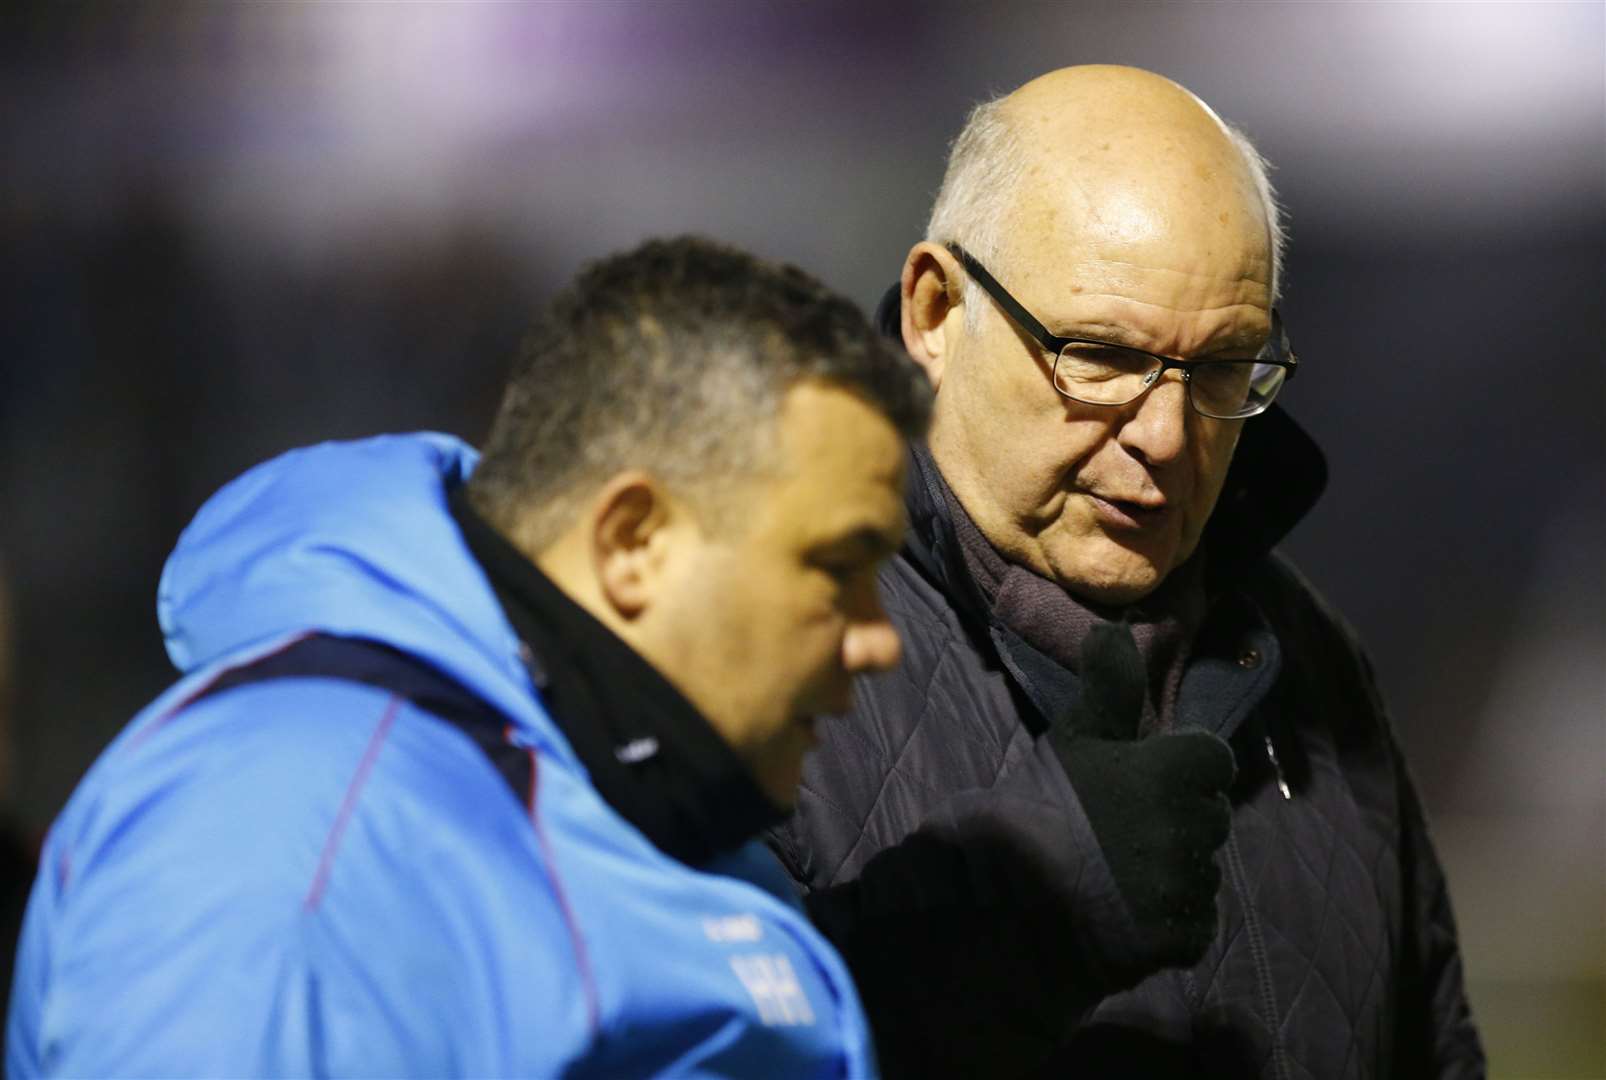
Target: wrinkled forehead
{"x": 1176, "y": 246}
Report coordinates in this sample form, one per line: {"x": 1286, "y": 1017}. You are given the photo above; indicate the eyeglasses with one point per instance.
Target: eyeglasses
{"x": 1101, "y": 373}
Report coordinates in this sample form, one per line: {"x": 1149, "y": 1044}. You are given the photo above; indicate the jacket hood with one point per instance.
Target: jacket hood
{"x": 351, "y": 539}
{"x": 1277, "y": 474}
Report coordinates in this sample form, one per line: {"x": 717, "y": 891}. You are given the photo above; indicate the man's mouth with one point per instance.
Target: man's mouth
{"x": 1129, "y": 513}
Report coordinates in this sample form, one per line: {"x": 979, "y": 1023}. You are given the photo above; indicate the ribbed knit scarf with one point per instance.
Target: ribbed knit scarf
{"x": 1056, "y": 623}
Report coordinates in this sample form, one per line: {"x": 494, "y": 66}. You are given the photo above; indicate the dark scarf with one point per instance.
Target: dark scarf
{"x": 651, "y": 755}
{"x": 1055, "y": 623}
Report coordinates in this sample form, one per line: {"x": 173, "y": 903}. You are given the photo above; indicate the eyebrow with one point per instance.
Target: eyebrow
{"x": 1112, "y": 334}
{"x": 1103, "y": 333}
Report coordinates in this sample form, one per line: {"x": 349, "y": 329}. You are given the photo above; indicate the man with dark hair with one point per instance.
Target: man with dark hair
{"x": 1132, "y": 806}
{"x": 464, "y": 771}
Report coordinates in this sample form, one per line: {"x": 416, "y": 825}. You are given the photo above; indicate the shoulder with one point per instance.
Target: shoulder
{"x": 1329, "y": 684}
{"x": 309, "y": 836}
{"x": 1320, "y": 642}
{"x": 1280, "y": 585}
{"x": 945, "y": 720}
{"x": 302, "y": 739}
{"x": 917, "y": 603}
{"x": 938, "y": 644}
{"x": 262, "y": 790}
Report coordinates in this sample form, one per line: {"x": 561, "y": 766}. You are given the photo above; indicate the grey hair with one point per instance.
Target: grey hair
{"x": 1260, "y": 172}
{"x": 985, "y": 163}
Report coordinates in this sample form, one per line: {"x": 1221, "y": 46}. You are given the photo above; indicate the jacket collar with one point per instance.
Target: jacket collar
{"x": 649, "y": 752}
{"x": 1233, "y": 662}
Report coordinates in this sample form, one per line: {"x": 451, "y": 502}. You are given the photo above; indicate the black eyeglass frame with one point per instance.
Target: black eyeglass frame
{"x": 1283, "y": 355}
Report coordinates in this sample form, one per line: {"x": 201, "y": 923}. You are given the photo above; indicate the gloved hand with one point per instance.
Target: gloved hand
{"x": 1158, "y": 806}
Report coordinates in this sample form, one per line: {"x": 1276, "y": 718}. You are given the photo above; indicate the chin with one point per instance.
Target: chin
{"x": 782, "y": 797}
{"x": 1114, "y": 594}
{"x": 780, "y": 785}
{"x": 1113, "y": 575}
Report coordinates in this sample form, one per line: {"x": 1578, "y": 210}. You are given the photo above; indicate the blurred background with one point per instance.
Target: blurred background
{"x": 229, "y": 229}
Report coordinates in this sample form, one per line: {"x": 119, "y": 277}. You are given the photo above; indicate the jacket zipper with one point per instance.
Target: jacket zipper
{"x": 1257, "y": 949}
{"x": 1271, "y": 755}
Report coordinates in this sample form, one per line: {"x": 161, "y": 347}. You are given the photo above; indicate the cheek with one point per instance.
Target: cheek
{"x": 1026, "y": 440}
{"x": 816, "y": 615}
{"x": 783, "y": 626}
{"x": 1039, "y": 477}
{"x": 996, "y": 387}
{"x": 814, "y": 629}
{"x": 1212, "y": 458}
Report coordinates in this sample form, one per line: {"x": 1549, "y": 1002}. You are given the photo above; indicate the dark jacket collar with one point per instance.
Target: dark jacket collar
{"x": 650, "y": 754}
{"x": 1277, "y": 475}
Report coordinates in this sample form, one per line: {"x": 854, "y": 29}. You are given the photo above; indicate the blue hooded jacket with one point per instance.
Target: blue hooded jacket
{"x": 312, "y": 876}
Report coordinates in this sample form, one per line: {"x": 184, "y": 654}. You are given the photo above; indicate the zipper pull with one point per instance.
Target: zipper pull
{"x": 1271, "y": 755}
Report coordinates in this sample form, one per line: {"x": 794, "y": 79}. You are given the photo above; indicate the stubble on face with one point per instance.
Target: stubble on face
{"x": 766, "y": 606}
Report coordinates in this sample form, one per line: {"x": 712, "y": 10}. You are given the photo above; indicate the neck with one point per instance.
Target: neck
{"x": 650, "y": 754}
{"x": 1053, "y": 621}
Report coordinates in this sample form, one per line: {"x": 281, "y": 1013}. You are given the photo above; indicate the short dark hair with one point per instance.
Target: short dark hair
{"x": 674, "y": 358}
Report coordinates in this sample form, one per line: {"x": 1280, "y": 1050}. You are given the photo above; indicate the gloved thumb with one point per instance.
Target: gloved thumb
{"x": 1112, "y": 684}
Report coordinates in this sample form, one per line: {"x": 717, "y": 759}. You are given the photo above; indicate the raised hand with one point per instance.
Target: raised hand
{"x": 1158, "y": 806}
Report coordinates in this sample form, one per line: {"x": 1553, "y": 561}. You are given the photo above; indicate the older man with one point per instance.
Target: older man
{"x": 1132, "y": 806}
{"x": 466, "y": 769}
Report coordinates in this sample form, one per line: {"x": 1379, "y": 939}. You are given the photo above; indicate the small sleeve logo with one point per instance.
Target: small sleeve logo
{"x": 773, "y": 984}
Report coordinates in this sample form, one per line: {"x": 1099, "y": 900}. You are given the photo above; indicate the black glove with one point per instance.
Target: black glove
{"x": 1158, "y": 805}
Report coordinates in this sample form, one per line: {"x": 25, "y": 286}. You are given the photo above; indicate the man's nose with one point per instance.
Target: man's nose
{"x": 871, "y": 645}
{"x": 1156, "y": 427}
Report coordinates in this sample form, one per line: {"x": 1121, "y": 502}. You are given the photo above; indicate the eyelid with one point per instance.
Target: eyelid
{"x": 864, "y": 544}
{"x": 1090, "y": 343}
{"x": 846, "y": 577}
{"x": 1097, "y": 342}
{"x": 839, "y": 562}
{"x": 1092, "y": 346}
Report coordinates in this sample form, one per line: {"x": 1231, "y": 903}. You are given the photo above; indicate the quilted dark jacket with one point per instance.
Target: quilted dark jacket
{"x": 941, "y": 846}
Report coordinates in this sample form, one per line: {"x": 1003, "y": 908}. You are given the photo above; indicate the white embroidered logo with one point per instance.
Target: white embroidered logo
{"x": 733, "y": 928}
{"x": 772, "y": 982}
{"x": 636, "y": 751}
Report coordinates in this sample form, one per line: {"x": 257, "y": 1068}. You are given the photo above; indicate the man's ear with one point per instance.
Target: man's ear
{"x": 631, "y": 521}
{"x": 932, "y": 291}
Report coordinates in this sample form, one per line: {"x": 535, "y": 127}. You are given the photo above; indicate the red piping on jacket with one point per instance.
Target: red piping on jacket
{"x": 581, "y": 956}
{"x": 349, "y": 803}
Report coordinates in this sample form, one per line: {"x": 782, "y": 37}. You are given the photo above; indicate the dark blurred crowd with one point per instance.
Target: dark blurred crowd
{"x": 141, "y": 375}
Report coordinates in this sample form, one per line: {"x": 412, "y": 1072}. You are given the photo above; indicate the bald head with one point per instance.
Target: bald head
{"x": 1124, "y": 153}
{"x": 1114, "y": 208}
{"x": 1107, "y": 102}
